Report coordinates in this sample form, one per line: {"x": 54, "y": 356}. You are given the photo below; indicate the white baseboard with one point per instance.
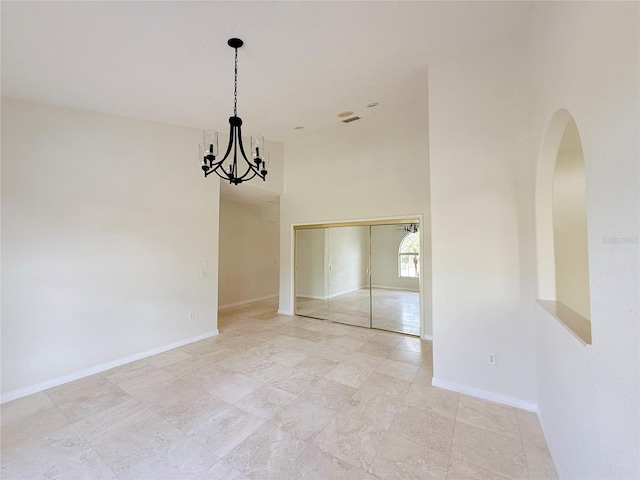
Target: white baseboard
{"x": 284, "y": 312}
{"x": 244, "y": 302}
{"x": 485, "y": 395}
{"x": 38, "y": 387}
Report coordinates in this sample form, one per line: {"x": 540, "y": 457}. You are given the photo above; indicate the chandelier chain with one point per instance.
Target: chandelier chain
{"x": 235, "y": 88}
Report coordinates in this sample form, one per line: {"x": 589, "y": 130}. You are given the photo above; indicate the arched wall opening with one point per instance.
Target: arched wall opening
{"x": 561, "y": 217}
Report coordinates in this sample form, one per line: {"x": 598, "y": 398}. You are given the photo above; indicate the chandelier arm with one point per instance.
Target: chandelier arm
{"x": 226, "y": 155}
{"x": 250, "y": 169}
{"x": 245, "y": 174}
{"x": 223, "y": 177}
{"x": 244, "y": 155}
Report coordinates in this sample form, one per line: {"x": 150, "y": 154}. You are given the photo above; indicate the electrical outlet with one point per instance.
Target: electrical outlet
{"x": 491, "y": 359}
{"x": 190, "y": 316}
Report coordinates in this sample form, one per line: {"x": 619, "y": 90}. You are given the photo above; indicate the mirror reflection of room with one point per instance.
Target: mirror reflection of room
{"x": 365, "y": 275}
{"x": 395, "y": 276}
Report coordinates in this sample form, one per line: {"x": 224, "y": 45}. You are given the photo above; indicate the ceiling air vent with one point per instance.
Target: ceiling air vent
{"x": 352, "y": 119}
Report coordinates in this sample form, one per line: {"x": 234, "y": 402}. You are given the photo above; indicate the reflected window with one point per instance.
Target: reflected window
{"x": 409, "y": 256}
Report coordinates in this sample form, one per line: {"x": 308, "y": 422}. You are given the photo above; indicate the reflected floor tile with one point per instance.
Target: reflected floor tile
{"x": 60, "y": 455}
{"x": 488, "y": 450}
{"x": 399, "y": 458}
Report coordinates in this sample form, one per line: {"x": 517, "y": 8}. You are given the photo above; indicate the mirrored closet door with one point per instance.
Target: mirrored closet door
{"x": 365, "y": 274}
{"x": 395, "y": 276}
{"x": 311, "y": 273}
{"x": 348, "y": 261}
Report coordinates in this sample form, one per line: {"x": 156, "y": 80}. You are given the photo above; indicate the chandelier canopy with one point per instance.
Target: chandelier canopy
{"x": 231, "y": 170}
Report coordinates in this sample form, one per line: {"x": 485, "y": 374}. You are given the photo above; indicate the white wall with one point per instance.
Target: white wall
{"x": 585, "y": 59}
{"x": 482, "y": 224}
{"x": 385, "y": 242}
{"x": 377, "y": 167}
{"x": 570, "y": 232}
{"x": 105, "y": 224}
{"x": 249, "y": 253}
{"x": 348, "y": 256}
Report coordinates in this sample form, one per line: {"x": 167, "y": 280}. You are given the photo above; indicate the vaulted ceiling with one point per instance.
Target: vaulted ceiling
{"x": 302, "y": 63}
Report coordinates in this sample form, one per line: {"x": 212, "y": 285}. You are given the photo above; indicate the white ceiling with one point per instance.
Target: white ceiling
{"x": 302, "y": 63}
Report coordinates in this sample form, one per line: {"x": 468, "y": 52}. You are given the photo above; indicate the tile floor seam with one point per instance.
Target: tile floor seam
{"x": 115, "y": 475}
{"x": 524, "y": 453}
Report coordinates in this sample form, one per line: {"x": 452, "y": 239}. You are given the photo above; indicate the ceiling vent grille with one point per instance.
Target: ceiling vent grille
{"x": 352, "y": 119}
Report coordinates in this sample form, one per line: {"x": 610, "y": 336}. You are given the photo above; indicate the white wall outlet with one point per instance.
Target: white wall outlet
{"x": 491, "y": 359}
{"x": 190, "y": 316}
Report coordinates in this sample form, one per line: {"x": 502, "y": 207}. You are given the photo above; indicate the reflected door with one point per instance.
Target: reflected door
{"x": 395, "y": 276}
{"x": 312, "y": 273}
{"x": 348, "y": 287}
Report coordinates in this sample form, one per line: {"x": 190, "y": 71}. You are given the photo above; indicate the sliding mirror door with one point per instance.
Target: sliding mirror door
{"x": 348, "y": 255}
{"x": 395, "y": 275}
{"x": 311, "y": 274}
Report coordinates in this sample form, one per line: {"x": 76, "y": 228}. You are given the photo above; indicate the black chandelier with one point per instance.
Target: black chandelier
{"x": 256, "y": 167}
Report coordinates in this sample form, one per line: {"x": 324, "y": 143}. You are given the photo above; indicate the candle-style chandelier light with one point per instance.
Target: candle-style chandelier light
{"x": 256, "y": 167}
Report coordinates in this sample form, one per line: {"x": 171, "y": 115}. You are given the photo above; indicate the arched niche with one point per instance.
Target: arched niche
{"x": 561, "y": 216}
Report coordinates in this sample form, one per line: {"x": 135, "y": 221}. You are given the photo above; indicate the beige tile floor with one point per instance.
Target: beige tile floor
{"x": 386, "y": 309}
{"x": 272, "y": 397}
